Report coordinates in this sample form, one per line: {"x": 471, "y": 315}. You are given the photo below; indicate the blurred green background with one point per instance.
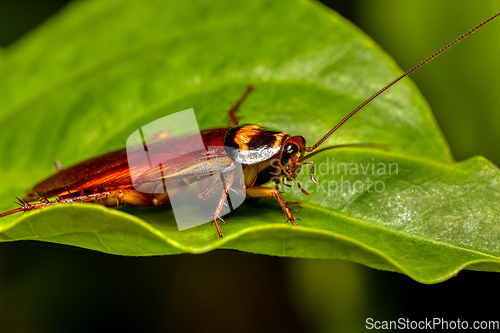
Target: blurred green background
{"x": 52, "y": 288}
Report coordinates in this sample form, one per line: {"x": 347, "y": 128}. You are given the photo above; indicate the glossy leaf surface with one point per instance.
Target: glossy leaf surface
{"x": 82, "y": 83}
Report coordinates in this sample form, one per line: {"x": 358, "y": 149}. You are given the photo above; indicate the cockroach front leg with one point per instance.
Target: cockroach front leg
{"x": 266, "y": 192}
{"x": 287, "y": 203}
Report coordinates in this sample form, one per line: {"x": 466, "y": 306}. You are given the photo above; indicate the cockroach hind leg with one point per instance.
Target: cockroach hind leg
{"x": 20, "y": 201}
{"x": 222, "y": 202}
{"x": 24, "y": 207}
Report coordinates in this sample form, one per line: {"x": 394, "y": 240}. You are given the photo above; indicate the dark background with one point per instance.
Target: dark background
{"x": 53, "y": 288}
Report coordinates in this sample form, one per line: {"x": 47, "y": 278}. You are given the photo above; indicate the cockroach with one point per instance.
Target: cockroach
{"x": 262, "y": 152}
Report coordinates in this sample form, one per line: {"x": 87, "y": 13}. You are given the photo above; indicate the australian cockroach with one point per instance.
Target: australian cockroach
{"x": 263, "y": 153}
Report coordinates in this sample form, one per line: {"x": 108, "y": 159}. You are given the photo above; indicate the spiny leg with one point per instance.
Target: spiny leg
{"x": 25, "y": 206}
{"x": 266, "y": 192}
{"x": 232, "y": 113}
{"x": 227, "y": 181}
{"x": 277, "y": 187}
{"x": 19, "y": 202}
{"x": 129, "y": 196}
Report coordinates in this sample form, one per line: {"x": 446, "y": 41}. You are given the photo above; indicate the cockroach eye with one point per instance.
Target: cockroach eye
{"x": 289, "y": 150}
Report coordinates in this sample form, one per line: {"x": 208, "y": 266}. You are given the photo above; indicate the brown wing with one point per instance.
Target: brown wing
{"x": 111, "y": 170}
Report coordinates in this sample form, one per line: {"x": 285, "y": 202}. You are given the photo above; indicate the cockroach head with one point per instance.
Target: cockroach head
{"x": 293, "y": 149}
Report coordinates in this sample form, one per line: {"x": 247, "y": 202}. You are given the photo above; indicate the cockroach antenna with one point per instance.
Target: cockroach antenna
{"x": 420, "y": 64}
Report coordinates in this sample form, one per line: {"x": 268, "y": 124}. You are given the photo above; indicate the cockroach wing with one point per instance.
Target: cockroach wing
{"x": 174, "y": 159}
{"x": 196, "y": 181}
{"x": 111, "y": 170}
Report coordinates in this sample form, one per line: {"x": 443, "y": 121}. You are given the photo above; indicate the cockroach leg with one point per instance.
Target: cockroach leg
{"x": 217, "y": 225}
{"x": 23, "y": 208}
{"x": 299, "y": 203}
{"x": 312, "y": 171}
{"x": 277, "y": 182}
{"x": 227, "y": 181}
{"x": 232, "y": 113}
{"x": 128, "y": 196}
{"x": 266, "y": 192}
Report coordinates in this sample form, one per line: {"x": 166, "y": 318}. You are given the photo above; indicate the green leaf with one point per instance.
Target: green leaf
{"x": 82, "y": 83}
